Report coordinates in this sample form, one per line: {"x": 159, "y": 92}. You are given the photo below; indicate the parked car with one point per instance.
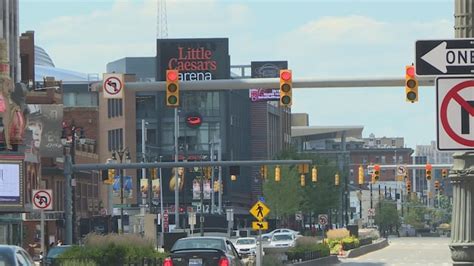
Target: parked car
{"x": 14, "y": 256}
{"x": 268, "y": 236}
{"x": 53, "y": 253}
{"x": 197, "y": 251}
{"x": 283, "y": 240}
{"x": 246, "y": 246}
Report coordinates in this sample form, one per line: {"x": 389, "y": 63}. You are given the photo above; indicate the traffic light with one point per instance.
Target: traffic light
{"x": 234, "y": 172}
{"x": 361, "y": 175}
{"x": 336, "y": 179}
{"x": 314, "y": 174}
{"x": 263, "y": 171}
{"x": 277, "y": 173}
{"x": 411, "y": 84}
{"x": 376, "y": 174}
{"x": 110, "y": 176}
{"x": 172, "y": 88}
{"x": 428, "y": 169}
{"x": 302, "y": 180}
{"x": 303, "y": 168}
{"x": 436, "y": 185}
{"x": 208, "y": 172}
{"x": 153, "y": 173}
{"x": 444, "y": 173}
{"x": 408, "y": 185}
{"x": 286, "y": 84}
{"x": 216, "y": 186}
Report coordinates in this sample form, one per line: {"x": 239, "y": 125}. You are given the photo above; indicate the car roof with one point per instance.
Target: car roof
{"x": 242, "y": 238}
{"x": 204, "y": 237}
{"x": 10, "y": 247}
{"x": 280, "y": 234}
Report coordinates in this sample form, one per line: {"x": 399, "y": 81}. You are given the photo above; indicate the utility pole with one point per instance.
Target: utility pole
{"x": 176, "y": 176}
{"x": 462, "y": 234}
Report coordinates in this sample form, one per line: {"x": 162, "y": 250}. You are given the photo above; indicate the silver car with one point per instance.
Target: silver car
{"x": 14, "y": 256}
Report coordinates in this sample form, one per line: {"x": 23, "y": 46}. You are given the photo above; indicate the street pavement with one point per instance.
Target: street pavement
{"x": 407, "y": 251}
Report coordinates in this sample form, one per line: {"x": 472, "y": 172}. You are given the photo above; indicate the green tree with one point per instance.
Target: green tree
{"x": 415, "y": 213}
{"x": 287, "y": 196}
{"x": 386, "y": 216}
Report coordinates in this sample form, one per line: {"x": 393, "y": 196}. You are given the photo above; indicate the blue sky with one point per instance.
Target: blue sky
{"x": 321, "y": 39}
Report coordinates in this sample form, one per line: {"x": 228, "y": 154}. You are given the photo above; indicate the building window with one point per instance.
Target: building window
{"x": 115, "y": 139}
{"x": 394, "y": 142}
{"x": 114, "y": 107}
{"x": 383, "y": 159}
{"x": 378, "y": 142}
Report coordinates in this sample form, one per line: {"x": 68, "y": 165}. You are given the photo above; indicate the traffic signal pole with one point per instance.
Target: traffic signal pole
{"x": 269, "y": 83}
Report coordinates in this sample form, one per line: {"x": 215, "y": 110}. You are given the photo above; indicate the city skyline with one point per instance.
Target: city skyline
{"x": 321, "y": 39}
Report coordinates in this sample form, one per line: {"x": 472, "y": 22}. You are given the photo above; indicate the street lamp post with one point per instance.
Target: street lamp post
{"x": 127, "y": 158}
{"x": 71, "y": 132}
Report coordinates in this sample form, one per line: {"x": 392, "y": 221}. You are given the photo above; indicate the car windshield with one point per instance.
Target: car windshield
{"x": 54, "y": 252}
{"x": 195, "y": 243}
{"x": 245, "y": 241}
{"x": 281, "y": 237}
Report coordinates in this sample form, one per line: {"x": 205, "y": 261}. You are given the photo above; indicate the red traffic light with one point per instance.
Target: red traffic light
{"x": 428, "y": 167}
{"x": 285, "y": 75}
{"x": 377, "y": 167}
{"x": 172, "y": 75}
{"x": 410, "y": 71}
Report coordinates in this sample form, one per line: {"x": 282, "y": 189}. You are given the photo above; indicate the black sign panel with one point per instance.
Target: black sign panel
{"x": 195, "y": 59}
{"x": 444, "y": 57}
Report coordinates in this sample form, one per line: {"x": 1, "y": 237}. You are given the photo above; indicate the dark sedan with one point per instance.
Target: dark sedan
{"x": 202, "y": 251}
{"x": 14, "y": 256}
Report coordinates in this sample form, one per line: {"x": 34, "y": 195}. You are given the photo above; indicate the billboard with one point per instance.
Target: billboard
{"x": 195, "y": 59}
{"x": 43, "y": 134}
{"x": 266, "y": 69}
{"x": 11, "y": 185}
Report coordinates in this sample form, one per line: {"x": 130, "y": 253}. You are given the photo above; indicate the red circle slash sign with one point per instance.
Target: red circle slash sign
{"x": 453, "y": 94}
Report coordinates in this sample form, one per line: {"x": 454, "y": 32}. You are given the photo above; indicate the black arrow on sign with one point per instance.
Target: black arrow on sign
{"x": 260, "y": 225}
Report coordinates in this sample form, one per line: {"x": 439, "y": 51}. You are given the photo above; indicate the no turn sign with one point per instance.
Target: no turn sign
{"x": 42, "y": 199}
{"x": 455, "y": 113}
{"x": 113, "y": 85}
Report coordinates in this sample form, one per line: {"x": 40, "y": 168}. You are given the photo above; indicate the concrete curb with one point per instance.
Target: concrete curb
{"x": 330, "y": 260}
{"x": 366, "y": 249}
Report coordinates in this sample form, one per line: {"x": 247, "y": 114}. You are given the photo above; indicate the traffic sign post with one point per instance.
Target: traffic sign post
{"x": 42, "y": 200}
{"x": 323, "y": 221}
{"x": 259, "y": 210}
{"x": 455, "y": 107}
{"x": 113, "y": 85}
{"x": 444, "y": 57}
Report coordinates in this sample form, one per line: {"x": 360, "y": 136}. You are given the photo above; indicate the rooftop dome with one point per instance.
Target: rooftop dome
{"x": 42, "y": 58}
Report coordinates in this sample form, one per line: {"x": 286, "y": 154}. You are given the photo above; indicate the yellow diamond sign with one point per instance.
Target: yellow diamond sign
{"x": 259, "y": 210}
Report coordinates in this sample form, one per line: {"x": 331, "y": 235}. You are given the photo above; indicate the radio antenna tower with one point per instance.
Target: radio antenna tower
{"x": 161, "y": 20}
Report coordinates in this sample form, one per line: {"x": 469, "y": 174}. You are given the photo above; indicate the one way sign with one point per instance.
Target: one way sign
{"x": 444, "y": 57}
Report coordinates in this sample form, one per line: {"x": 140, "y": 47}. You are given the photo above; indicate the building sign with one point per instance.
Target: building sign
{"x": 44, "y": 122}
{"x": 266, "y": 69}
{"x": 11, "y": 185}
{"x": 195, "y": 59}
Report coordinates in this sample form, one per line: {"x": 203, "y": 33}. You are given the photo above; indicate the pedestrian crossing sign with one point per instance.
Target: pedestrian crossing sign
{"x": 259, "y": 210}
